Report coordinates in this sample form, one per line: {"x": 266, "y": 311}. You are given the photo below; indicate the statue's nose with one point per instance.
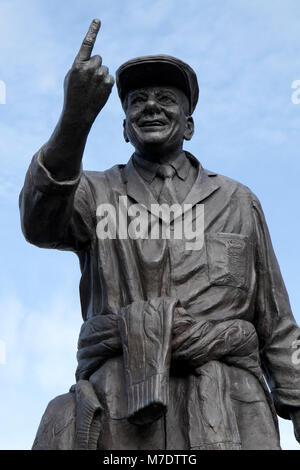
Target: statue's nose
{"x": 152, "y": 105}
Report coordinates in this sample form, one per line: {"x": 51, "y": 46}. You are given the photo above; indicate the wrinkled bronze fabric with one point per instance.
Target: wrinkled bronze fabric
{"x": 234, "y": 276}
{"x": 202, "y": 348}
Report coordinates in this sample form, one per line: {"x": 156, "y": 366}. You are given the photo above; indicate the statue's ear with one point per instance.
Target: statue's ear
{"x": 125, "y": 132}
{"x": 189, "y": 128}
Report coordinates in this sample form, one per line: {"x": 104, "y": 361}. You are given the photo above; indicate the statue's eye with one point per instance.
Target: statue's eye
{"x": 165, "y": 99}
{"x": 138, "y": 99}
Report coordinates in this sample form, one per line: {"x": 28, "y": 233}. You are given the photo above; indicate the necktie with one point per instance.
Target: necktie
{"x": 167, "y": 194}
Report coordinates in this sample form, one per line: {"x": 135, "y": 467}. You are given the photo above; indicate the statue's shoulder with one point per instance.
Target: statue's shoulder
{"x": 113, "y": 174}
{"x": 230, "y": 185}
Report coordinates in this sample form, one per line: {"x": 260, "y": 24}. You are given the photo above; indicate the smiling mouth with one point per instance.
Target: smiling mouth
{"x": 154, "y": 123}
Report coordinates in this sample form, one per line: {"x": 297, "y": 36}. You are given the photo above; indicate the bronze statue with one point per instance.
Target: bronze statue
{"x": 179, "y": 337}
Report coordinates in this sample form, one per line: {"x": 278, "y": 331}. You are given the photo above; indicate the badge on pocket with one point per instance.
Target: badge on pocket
{"x": 228, "y": 259}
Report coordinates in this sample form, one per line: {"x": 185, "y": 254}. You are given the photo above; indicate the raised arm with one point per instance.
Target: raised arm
{"x": 87, "y": 87}
{"x": 56, "y": 203}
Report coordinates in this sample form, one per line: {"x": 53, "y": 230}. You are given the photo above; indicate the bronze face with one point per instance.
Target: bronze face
{"x": 156, "y": 116}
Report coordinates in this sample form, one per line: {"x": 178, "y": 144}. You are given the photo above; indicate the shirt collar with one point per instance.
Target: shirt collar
{"x": 148, "y": 169}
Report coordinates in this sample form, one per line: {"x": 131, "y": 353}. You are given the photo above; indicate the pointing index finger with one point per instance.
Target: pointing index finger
{"x": 87, "y": 45}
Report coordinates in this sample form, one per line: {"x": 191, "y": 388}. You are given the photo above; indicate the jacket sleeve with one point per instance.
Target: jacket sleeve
{"x": 56, "y": 214}
{"x": 276, "y": 327}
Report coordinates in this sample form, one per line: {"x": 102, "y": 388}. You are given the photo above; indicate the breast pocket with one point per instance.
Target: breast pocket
{"x": 228, "y": 259}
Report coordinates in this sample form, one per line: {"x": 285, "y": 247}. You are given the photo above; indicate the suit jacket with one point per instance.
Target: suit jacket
{"x": 235, "y": 275}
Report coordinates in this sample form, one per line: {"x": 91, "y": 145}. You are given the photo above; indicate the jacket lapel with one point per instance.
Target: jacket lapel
{"x": 136, "y": 188}
{"x": 203, "y": 187}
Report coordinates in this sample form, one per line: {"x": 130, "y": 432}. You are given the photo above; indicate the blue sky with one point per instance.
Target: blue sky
{"x": 246, "y": 55}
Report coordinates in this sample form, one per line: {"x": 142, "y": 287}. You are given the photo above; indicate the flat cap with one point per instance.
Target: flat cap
{"x": 157, "y": 70}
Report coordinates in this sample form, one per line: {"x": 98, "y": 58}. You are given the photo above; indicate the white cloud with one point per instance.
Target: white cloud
{"x": 40, "y": 345}
{"x": 41, "y": 342}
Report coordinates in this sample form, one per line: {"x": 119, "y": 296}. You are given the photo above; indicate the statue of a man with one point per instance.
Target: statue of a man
{"x": 178, "y": 338}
